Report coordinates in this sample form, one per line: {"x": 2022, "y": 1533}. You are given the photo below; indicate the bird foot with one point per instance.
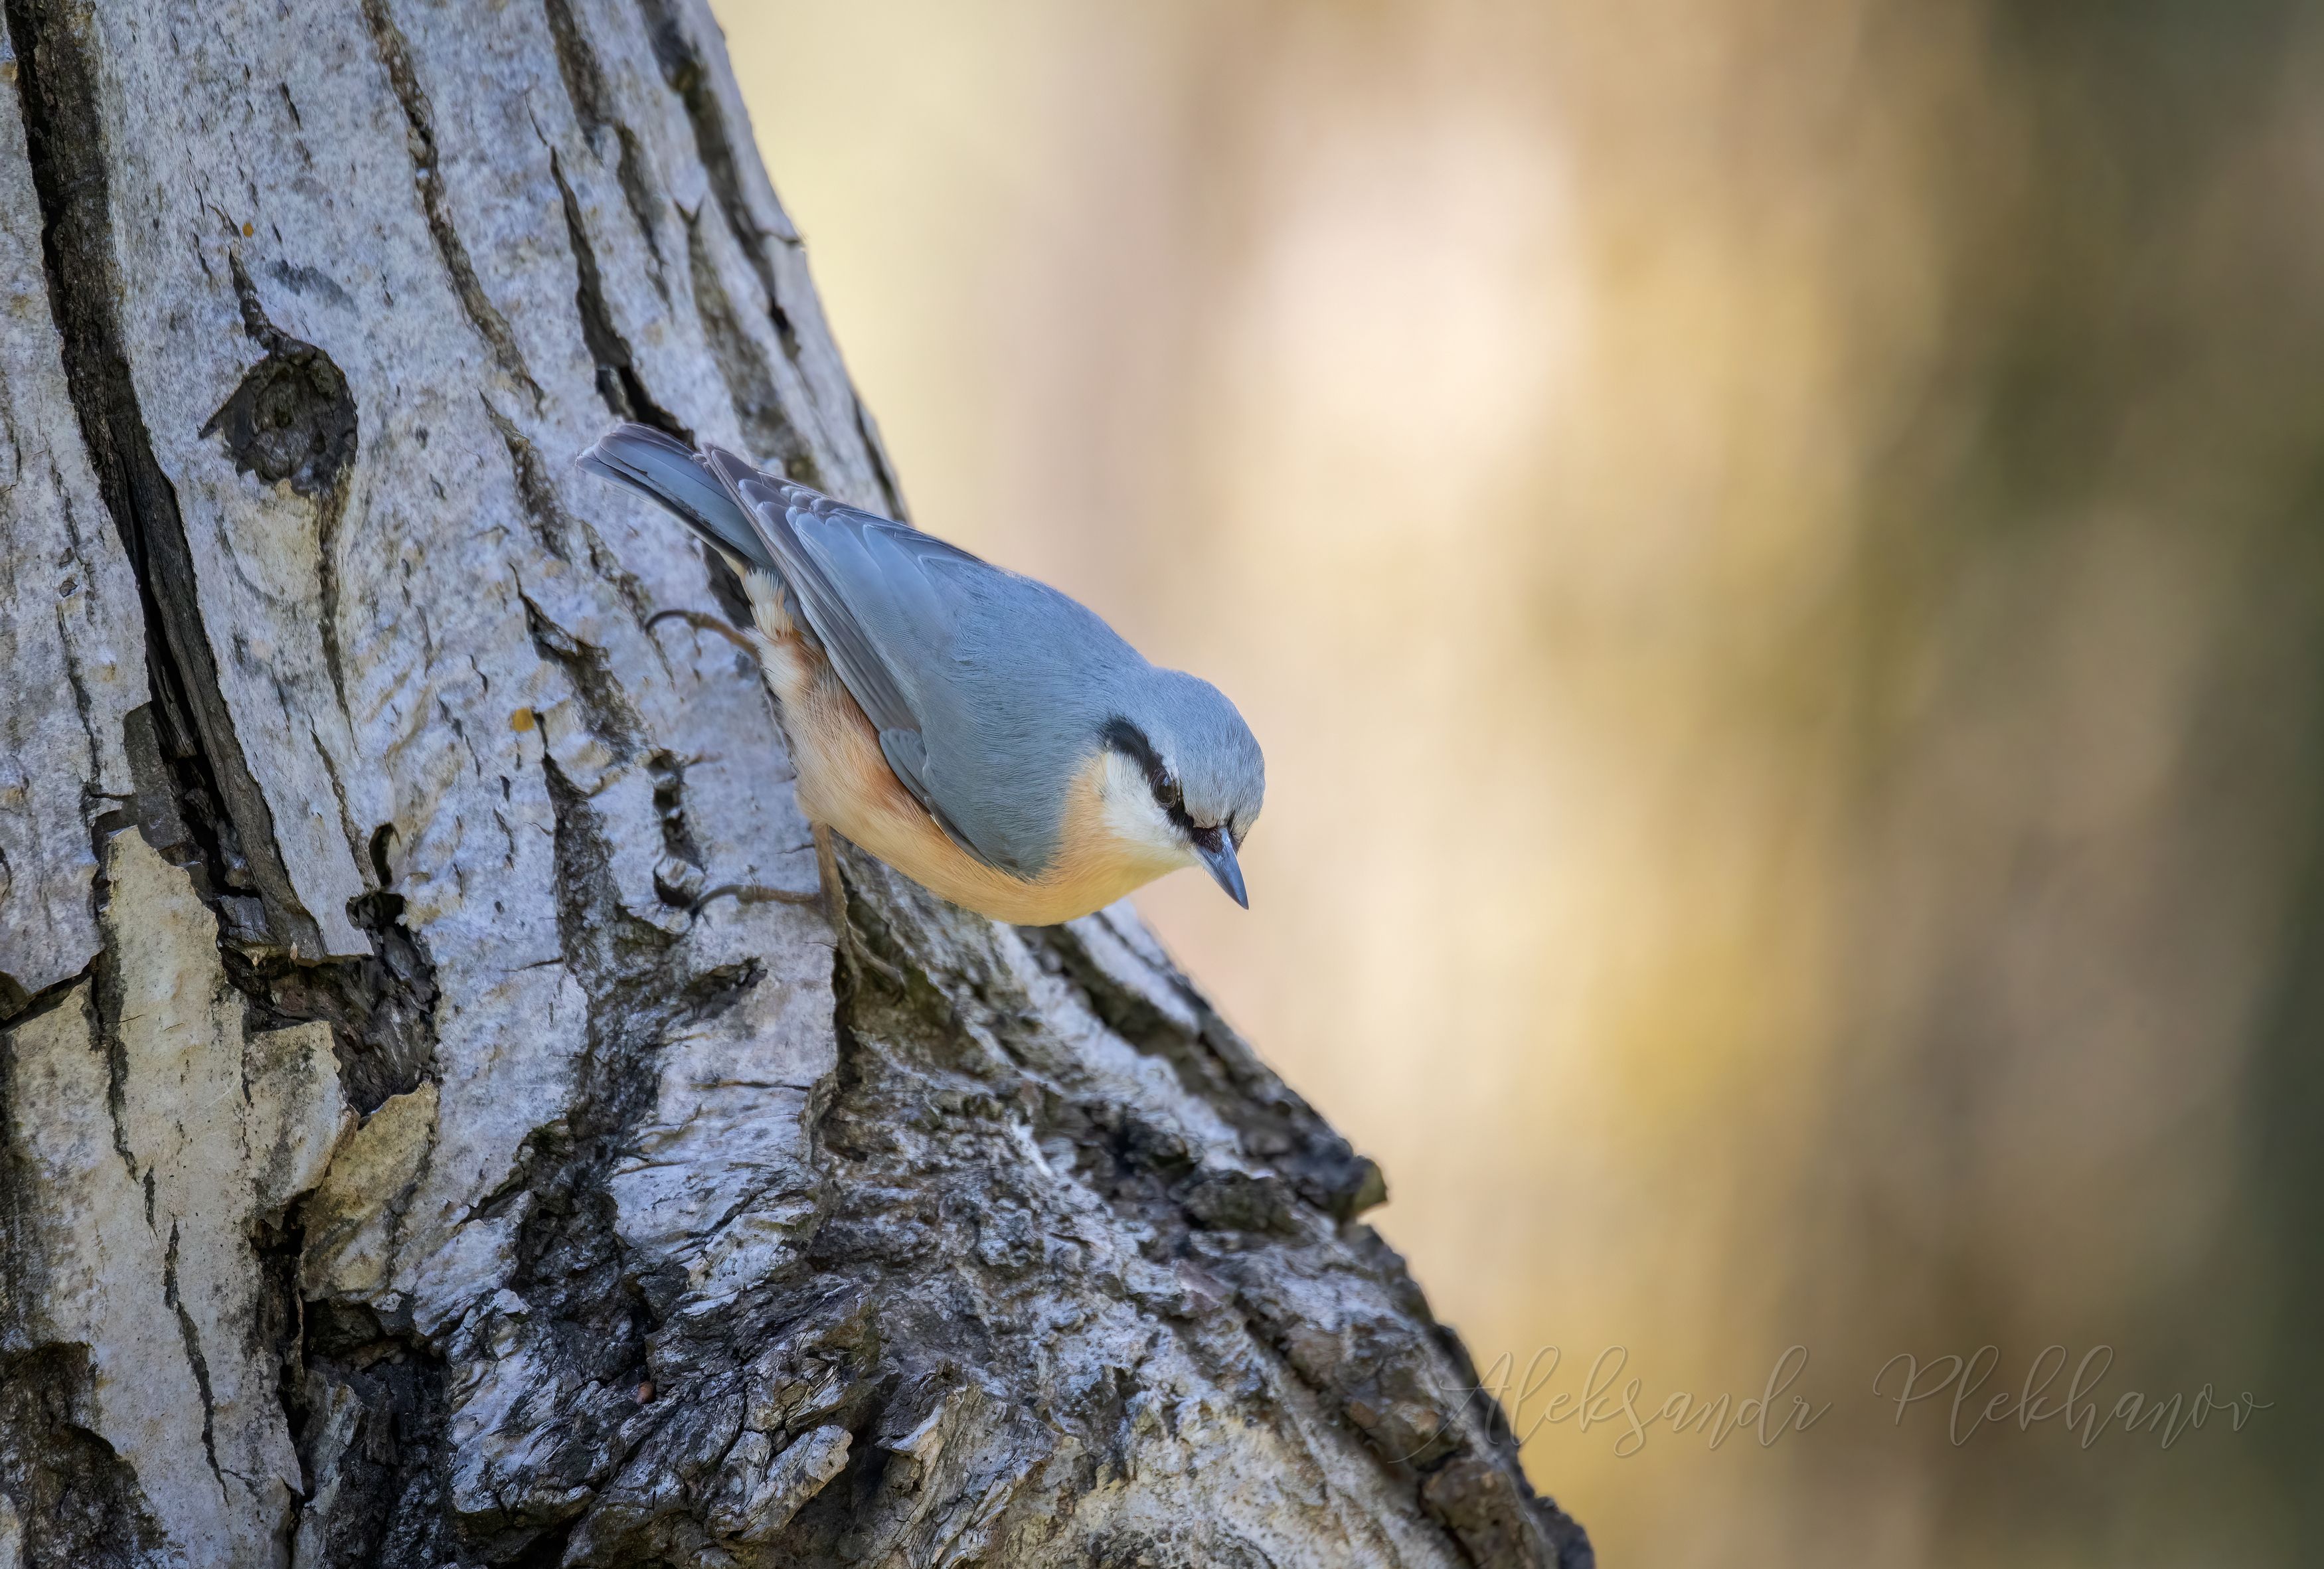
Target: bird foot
{"x": 756, "y": 894}
{"x": 703, "y": 621}
{"x": 834, "y": 905}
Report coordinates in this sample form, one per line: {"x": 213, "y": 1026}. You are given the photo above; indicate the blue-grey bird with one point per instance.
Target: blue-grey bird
{"x": 976, "y": 730}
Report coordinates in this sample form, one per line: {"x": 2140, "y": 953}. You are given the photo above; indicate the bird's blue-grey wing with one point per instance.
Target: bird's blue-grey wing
{"x": 667, "y": 470}
{"x": 1010, "y": 681}
{"x": 864, "y": 584}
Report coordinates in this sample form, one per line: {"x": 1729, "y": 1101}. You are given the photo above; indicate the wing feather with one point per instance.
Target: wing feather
{"x": 667, "y": 470}
{"x": 858, "y": 580}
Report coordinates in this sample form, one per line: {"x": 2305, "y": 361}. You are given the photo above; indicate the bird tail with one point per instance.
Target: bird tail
{"x": 664, "y": 469}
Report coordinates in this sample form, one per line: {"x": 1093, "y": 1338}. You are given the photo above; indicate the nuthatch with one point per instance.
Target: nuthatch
{"x": 977, "y": 731}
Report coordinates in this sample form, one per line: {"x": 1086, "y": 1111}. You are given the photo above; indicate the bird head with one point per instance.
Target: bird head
{"x": 1183, "y": 778}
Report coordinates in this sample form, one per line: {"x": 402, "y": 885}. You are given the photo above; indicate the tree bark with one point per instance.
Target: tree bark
{"x": 438, "y": 1123}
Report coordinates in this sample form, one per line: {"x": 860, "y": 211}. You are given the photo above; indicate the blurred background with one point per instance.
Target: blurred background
{"x": 1774, "y": 548}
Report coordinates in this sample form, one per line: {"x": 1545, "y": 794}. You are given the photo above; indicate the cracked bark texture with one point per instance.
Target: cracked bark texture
{"x": 437, "y": 1125}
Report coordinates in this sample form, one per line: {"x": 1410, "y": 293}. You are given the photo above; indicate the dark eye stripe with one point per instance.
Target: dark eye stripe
{"x": 1130, "y": 742}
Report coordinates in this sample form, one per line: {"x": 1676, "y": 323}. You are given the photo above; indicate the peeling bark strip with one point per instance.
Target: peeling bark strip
{"x": 57, "y": 90}
{"x": 589, "y": 1219}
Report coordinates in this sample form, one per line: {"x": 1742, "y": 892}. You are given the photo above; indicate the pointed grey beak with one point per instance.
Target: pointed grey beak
{"x": 1216, "y": 847}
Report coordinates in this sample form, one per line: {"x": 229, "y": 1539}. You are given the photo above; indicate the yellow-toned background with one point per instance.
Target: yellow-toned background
{"x": 1774, "y": 548}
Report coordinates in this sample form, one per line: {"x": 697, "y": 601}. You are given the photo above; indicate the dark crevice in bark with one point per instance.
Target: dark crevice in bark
{"x": 576, "y": 62}
{"x": 584, "y": 84}
{"x": 669, "y": 797}
{"x": 743, "y": 366}
{"x": 680, "y": 876}
{"x": 348, "y": 828}
{"x": 200, "y": 1364}
{"x": 375, "y": 1415}
{"x": 56, "y": 1471}
{"x": 604, "y": 706}
{"x": 381, "y": 1010}
{"x": 617, "y": 376}
{"x": 1216, "y": 1065}
{"x": 19, "y": 1007}
{"x": 428, "y": 177}
{"x": 637, "y": 190}
{"x": 180, "y": 821}
{"x": 535, "y": 492}
{"x": 105, "y": 1000}
{"x": 56, "y": 86}
{"x": 554, "y": 528}
{"x": 276, "y": 1241}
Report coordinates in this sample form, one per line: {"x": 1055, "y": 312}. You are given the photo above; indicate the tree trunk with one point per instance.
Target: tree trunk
{"x": 439, "y": 1124}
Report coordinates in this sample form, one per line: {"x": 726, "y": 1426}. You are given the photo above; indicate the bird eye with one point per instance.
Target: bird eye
{"x": 1167, "y": 792}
